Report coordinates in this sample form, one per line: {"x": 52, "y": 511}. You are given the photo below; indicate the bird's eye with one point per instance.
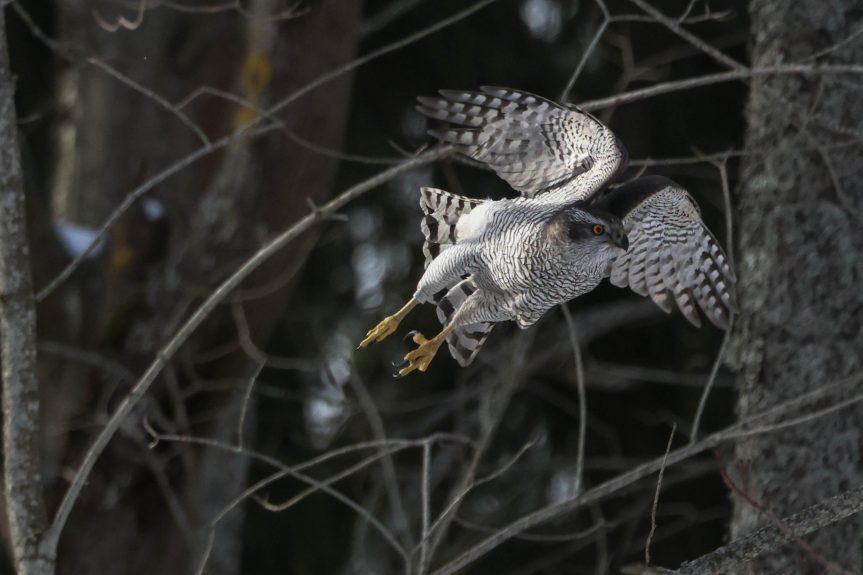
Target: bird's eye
{"x": 598, "y": 229}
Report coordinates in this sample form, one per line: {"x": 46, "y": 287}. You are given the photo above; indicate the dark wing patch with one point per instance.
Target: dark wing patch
{"x": 672, "y": 257}
{"x": 534, "y": 144}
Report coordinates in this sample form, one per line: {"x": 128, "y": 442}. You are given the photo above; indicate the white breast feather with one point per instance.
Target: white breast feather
{"x": 473, "y": 224}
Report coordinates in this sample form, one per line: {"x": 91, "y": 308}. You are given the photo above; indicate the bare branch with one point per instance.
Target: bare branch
{"x": 250, "y": 129}
{"x": 186, "y": 330}
{"x": 130, "y": 200}
{"x": 376, "y": 423}
{"x": 582, "y": 397}
{"x": 386, "y": 447}
{"x": 620, "y": 482}
{"x": 294, "y": 10}
{"x": 675, "y": 27}
{"x": 244, "y": 406}
{"x": 66, "y": 54}
{"x": 25, "y": 506}
{"x": 721, "y": 165}
{"x": 718, "y": 78}
{"x": 729, "y": 558}
{"x": 597, "y": 36}
{"x": 655, "y": 505}
{"x": 386, "y": 15}
{"x": 468, "y": 479}
{"x": 426, "y": 505}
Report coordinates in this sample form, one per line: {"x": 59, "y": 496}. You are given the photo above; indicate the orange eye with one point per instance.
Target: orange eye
{"x": 598, "y": 229}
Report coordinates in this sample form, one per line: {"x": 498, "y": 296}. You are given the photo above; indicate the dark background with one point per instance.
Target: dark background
{"x": 644, "y": 370}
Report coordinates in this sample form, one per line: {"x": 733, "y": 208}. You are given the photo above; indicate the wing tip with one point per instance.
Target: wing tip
{"x": 429, "y": 101}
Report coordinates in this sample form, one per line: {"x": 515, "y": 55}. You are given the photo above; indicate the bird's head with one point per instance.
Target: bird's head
{"x": 596, "y": 229}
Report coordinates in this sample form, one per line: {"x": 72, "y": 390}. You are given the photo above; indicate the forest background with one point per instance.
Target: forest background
{"x": 222, "y": 197}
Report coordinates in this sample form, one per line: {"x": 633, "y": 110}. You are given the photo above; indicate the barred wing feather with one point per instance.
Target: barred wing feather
{"x": 534, "y": 144}
{"x": 672, "y": 257}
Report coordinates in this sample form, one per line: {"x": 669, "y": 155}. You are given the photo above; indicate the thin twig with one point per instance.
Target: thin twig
{"x": 818, "y": 414}
{"x": 387, "y": 15}
{"x": 468, "y": 480}
{"x": 255, "y": 353}
{"x": 675, "y": 27}
{"x": 655, "y": 505}
{"x": 620, "y": 482}
{"x": 296, "y": 472}
{"x": 244, "y": 405}
{"x": 543, "y": 538}
{"x": 84, "y": 357}
{"x": 426, "y": 505}
{"x": 375, "y": 54}
{"x": 597, "y": 36}
{"x": 449, "y": 511}
{"x": 721, "y": 165}
{"x": 376, "y": 423}
{"x": 718, "y": 78}
{"x": 293, "y": 11}
{"x": 582, "y": 397}
{"x": 205, "y": 555}
{"x": 130, "y": 200}
{"x": 250, "y": 129}
{"x": 67, "y": 54}
{"x": 711, "y": 381}
{"x": 307, "y": 144}
{"x": 201, "y": 313}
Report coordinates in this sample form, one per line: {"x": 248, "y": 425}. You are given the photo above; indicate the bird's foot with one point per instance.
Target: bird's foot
{"x": 421, "y": 357}
{"x": 381, "y": 331}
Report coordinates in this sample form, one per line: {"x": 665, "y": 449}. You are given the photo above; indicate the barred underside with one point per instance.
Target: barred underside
{"x": 441, "y": 212}
{"x": 465, "y": 341}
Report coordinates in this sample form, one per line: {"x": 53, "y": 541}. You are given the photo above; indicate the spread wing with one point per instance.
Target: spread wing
{"x": 672, "y": 256}
{"x": 534, "y": 144}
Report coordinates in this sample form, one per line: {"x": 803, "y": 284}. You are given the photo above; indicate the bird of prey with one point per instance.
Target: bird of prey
{"x": 513, "y": 259}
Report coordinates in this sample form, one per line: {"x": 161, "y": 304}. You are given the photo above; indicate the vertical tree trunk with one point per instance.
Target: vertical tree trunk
{"x": 25, "y": 508}
{"x": 800, "y": 265}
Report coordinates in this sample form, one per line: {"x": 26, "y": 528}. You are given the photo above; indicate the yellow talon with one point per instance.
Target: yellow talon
{"x": 381, "y": 331}
{"x": 421, "y": 357}
{"x": 388, "y": 325}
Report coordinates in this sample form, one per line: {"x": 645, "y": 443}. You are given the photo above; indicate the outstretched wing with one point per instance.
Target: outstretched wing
{"x": 672, "y": 256}
{"x": 534, "y": 144}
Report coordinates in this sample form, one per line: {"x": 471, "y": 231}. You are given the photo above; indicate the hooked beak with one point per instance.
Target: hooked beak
{"x": 621, "y": 241}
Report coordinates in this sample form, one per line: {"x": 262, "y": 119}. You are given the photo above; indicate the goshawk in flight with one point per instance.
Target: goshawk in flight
{"x": 513, "y": 259}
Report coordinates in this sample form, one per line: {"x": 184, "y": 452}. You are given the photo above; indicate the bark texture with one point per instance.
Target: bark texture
{"x": 25, "y": 507}
{"x": 800, "y": 263}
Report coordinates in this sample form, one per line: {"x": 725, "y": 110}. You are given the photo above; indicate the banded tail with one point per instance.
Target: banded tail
{"x": 441, "y": 212}
{"x": 465, "y": 341}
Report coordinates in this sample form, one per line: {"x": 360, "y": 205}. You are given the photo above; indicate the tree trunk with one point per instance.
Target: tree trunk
{"x": 800, "y": 263}
{"x": 24, "y": 497}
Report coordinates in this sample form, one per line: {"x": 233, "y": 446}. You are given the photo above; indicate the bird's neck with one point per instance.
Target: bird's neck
{"x": 565, "y": 195}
